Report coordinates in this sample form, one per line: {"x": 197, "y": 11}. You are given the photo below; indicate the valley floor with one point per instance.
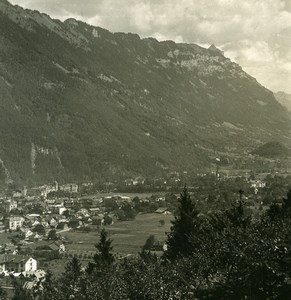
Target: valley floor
{"x": 128, "y": 238}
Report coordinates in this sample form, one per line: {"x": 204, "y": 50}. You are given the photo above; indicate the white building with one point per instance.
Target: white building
{"x": 17, "y": 263}
{"x": 70, "y": 187}
{"x": 257, "y": 184}
{"x": 15, "y": 222}
{"x": 10, "y": 204}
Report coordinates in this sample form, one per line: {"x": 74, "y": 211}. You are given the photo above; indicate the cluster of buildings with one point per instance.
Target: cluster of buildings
{"x": 30, "y": 215}
{"x": 44, "y": 190}
{"x": 38, "y": 210}
{"x": 257, "y": 184}
{"x": 23, "y": 269}
{"x": 17, "y": 264}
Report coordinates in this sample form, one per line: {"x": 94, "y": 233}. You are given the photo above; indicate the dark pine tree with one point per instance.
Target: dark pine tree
{"x": 50, "y": 288}
{"x": 71, "y": 279}
{"x": 149, "y": 243}
{"x": 20, "y": 293}
{"x": 52, "y": 235}
{"x": 180, "y": 238}
{"x": 104, "y": 256}
{"x": 287, "y": 204}
{"x": 73, "y": 270}
{"x": 237, "y": 215}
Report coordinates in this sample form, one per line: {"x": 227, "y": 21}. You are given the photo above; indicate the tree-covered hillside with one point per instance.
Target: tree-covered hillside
{"x": 79, "y": 102}
{"x": 272, "y": 150}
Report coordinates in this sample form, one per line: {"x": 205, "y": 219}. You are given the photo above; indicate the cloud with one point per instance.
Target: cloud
{"x": 255, "y": 33}
{"x": 264, "y": 61}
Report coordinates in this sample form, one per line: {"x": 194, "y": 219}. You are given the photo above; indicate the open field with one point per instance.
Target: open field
{"x": 128, "y": 236}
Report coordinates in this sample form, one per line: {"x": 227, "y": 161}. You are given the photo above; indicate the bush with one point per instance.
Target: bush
{"x": 149, "y": 243}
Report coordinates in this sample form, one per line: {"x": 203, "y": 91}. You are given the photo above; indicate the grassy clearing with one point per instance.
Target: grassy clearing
{"x": 128, "y": 236}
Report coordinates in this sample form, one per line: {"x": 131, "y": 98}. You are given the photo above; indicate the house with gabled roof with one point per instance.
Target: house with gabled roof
{"x": 63, "y": 226}
{"x": 162, "y": 210}
{"x": 58, "y": 246}
{"x": 17, "y": 263}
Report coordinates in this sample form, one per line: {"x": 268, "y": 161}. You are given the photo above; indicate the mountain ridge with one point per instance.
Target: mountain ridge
{"x": 284, "y": 99}
{"x": 80, "y": 102}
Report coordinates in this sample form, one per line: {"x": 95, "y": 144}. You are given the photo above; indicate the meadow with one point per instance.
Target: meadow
{"x": 128, "y": 237}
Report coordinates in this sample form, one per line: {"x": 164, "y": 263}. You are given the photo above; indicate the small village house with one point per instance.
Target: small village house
{"x": 15, "y": 222}
{"x": 17, "y": 263}
{"x": 9, "y": 205}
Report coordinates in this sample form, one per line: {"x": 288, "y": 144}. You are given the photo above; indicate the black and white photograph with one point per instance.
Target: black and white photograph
{"x": 145, "y": 150}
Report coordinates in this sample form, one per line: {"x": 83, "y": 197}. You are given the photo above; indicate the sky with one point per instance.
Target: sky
{"x": 254, "y": 33}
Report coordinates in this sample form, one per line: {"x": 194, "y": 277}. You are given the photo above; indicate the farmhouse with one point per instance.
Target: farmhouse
{"x": 162, "y": 210}
{"x": 58, "y": 246}
{"x": 17, "y": 263}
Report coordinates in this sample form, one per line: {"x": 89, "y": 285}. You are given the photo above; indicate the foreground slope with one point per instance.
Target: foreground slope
{"x": 80, "y": 102}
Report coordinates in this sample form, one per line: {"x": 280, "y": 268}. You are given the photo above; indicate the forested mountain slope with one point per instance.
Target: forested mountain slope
{"x": 79, "y": 102}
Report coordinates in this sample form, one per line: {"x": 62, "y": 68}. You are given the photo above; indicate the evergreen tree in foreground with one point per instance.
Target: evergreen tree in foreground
{"x": 180, "y": 238}
{"x": 104, "y": 256}
{"x": 71, "y": 279}
{"x": 50, "y": 288}
{"x": 73, "y": 270}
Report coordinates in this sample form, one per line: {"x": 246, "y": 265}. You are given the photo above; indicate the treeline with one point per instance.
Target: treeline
{"x": 225, "y": 255}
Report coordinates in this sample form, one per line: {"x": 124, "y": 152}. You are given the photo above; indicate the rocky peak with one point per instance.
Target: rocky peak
{"x": 213, "y": 48}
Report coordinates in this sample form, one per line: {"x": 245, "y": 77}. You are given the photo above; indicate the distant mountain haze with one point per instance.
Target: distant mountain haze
{"x": 79, "y": 102}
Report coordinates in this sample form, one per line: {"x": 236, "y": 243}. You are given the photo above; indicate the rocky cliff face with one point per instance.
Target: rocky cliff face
{"x": 79, "y": 102}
